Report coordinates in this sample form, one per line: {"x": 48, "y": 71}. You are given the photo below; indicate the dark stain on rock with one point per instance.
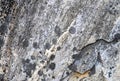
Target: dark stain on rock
{"x": 92, "y": 71}
{"x": 25, "y": 61}
{"x": 99, "y": 59}
{"x": 72, "y": 30}
{"x": 52, "y": 57}
{"x": 3, "y": 29}
{"x": 58, "y": 48}
{"x": 67, "y": 73}
{"x": 40, "y": 73}
{"x": 76, "y": 56}
{"x": 25, "y": 43}
{"x": 47, "y": 46}
{"x": 72, "y": 67}
{"x": 53, "y": 77}
{"x": 43, "y": 80}
{"x": 57, "y": 31}
{"x": 20, "y": 39}
{"x": 52, "y": 66}
{"x": 6, "y": 64}
{"x": 42, "y": 61}
{"x": 74, "y": 49}
{"x": 40, "y": 52}
{"x": 28, "y": 67}
{"x": 109, "y": 74}
{"x": 116, "y": 52}
{"x": 1, "y": 77}
{"x": 111, "y": 67}
{"x": 54, "y": 41}
{"x": 1, "y": 42}
{"x": 35, "y": 45}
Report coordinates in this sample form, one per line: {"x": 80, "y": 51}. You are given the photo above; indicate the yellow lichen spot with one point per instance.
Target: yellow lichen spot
{"x": 77, "y": 76}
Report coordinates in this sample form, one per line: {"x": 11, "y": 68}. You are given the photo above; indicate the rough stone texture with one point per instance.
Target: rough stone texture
{"x": 59, "y": 40}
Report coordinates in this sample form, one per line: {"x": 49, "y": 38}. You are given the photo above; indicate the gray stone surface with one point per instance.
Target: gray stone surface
{"x": 59, "y": 40}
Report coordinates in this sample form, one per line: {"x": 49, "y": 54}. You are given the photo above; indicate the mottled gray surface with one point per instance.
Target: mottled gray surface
{"x": 59, "y": 40}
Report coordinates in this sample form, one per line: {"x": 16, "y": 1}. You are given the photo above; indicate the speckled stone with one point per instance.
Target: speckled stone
{"x": 59, "y": 40}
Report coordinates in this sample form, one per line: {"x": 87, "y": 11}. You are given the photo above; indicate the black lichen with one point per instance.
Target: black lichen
{"x": 67, "y": 73}
{"x": 57, "y": 31}
{"x": 53, "y": 77}
{"x": 40, "y": 73}
{"x": 52, "y": 66}
{"x": 111, "y": 67}
{"x": 40, "y": 52}
{"x": 3, "y": 29}
{"x": 117, "y": 37}
{"x": 47, "y": 46}
{"x": 42, "y": 61}
{"x": 52, "y": 57}
{"x": 72, "y": 30}
{"x": 28, "y": 67}
{"x": 25, "y": 43}
{"x": 58, "y": 48}
{"x": 76, "y": 56}
{"x": 109, "y": 74}
{"x": 35, "y": 45}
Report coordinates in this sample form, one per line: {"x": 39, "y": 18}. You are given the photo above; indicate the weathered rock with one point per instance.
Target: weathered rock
{"x": 59, "y": 40}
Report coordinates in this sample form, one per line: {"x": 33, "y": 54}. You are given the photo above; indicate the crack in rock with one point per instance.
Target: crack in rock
{"x": 88, "y": 55}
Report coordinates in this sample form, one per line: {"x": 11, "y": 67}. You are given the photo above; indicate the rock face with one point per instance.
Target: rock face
{"x": 59, "y": 40}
